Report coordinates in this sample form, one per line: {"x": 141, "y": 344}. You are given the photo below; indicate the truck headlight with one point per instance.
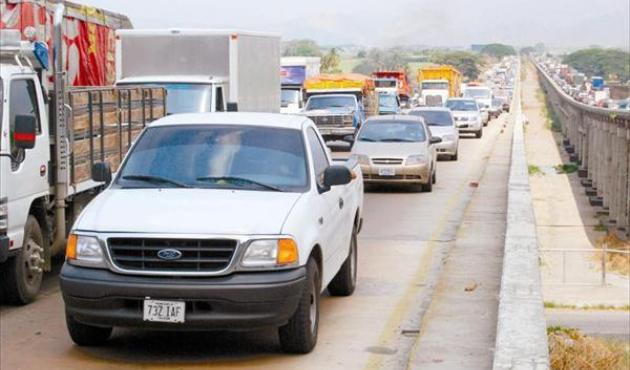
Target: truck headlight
{"x": 361, "y": 159}
{"x": 270, "y": 253}
{"x": 85, "y": 251}
{"x": 416, "y": 159}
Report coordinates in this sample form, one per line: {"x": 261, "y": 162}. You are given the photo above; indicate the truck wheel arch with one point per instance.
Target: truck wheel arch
{"x": 38, "y": 210}
{"x": 316, "y": 253}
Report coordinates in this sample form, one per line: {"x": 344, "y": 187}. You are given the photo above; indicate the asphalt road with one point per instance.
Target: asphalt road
{"x": 404, "y": 238}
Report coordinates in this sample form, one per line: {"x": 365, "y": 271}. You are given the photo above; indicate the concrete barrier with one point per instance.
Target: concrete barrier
{"x": 598, "y": 140}
{"x": 521, "y": 341}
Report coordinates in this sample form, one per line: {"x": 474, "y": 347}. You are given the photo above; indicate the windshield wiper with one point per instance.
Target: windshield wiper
{"x": 237, "y": 179}
{"x": 155, "y": 179}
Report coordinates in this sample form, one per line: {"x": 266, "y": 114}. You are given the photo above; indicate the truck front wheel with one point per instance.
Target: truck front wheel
{"x": 22, "y": 274}
{"x": 86, "y": 335}
{"x": 299, "y": 335}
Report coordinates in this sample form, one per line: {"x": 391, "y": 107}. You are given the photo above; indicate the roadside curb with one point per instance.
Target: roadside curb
{"x": 521, "y": 340}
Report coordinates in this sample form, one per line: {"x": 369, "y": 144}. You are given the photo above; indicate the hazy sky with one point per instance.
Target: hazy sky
{"x": 558, "y": 23}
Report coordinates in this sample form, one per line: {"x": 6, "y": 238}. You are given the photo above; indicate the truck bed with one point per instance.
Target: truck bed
{"x": 103, "y": 123}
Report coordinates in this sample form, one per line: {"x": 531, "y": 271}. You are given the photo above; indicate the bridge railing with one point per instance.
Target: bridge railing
{"x": 598, "y": 140}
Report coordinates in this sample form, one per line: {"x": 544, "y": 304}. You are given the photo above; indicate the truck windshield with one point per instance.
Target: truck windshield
{"x": 392, "y": 132}
{"x": 435, "y": 86}
{"x": 385, "y": 83}
{"x": 461, "y": 105}
{"x": 188, "y": 98}
{"x": 477, "y": 93}
{"x": 434, "y": 117}
{"x": 288, "y": 96}
{"x": 325, "y": 102}
{"x": 217, "y": 157}
{"x": 387, "y": 101}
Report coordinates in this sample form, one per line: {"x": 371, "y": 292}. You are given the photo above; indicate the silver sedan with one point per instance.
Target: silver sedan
{"x": 397, "y": 150}
{"x": 441, "y": 123}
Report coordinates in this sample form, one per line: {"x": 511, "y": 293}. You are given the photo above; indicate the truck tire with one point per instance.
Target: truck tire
{"x": 344, "y": 283}
{"x": 479, "y": 133}
{"x": 87, "y": 335}
{"x": 299, "y": 335}
{"x": 22, "y": 274}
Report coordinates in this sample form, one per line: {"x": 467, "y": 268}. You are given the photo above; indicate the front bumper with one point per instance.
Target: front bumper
{"x": 4, "y": 248}
{"x": 469, "y": 126}
{"x": 336, "y": 132}
{"x": 240, "y": 301}
{"x": 446, "y": 147}
{"x": 413, "y": 174}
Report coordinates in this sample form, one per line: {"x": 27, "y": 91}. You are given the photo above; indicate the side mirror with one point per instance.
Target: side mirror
{"x": 25, "y": 131}
{"x": 102, "y": 172}
{"x": 337, "y": 175}
{"x": 435, "y": 140}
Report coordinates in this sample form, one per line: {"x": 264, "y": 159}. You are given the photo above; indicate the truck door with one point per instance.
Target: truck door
{"x": 27, "y": 177}
{"x": 329, "y": 207}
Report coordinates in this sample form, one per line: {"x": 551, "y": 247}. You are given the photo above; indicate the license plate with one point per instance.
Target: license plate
{"x": 386, "y": 172}
{"x": 164, "y": 311}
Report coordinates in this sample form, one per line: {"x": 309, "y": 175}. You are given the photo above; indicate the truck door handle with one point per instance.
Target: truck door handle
{"x": 340, "y": 203}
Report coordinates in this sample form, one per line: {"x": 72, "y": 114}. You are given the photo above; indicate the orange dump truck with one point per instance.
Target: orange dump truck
{"x": 395, "y": 81}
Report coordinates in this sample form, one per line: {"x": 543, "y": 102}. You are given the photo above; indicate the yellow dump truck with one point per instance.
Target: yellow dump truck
{"x": 438, "y": 83}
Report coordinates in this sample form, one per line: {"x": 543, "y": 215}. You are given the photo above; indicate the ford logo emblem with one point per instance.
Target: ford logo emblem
{"x": 169, "y": 254}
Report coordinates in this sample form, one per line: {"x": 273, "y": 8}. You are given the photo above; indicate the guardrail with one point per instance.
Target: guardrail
{"x": 598, "y": 140}
{"x": 521, "y": 341}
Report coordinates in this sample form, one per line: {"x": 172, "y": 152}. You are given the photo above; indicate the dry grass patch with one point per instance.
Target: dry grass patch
{"x": 617, "y": 262}
{"x": 569, "y": 349}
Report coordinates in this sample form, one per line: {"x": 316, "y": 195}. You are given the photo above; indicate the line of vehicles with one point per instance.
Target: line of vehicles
{"x": 91, "y": 171}
{"x": 594, "y": 91}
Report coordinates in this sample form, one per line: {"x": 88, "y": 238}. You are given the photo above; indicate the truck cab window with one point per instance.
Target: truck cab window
{"x": 219, "y": 106}
{"x": 320, "y": 159}
{"x": 22, "y": 101}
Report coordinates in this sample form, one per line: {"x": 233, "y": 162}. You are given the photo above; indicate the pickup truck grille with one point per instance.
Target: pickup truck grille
{"x": 338, "y": 121}
{"x": 387, "y": 160}
{"x": 197, "y": 255}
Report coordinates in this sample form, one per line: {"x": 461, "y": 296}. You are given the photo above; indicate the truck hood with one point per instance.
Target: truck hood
{"x": 187, "y": 211}
{"x": 328, "y": 111}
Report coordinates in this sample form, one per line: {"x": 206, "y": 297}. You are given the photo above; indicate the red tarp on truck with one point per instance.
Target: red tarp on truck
{"x": 90, "y": 44}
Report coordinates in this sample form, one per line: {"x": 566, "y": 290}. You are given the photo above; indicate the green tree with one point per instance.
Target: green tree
{"x": 301, "y": 48}
{"x": 498, "y": 50}
{"x": 330, "y": 62}
{"x": 379, "y": 60}
{"x": 607, "y": 63}
{"x": 527, "y": 50}
{"x": 468, "y": 63}
{"x": 361, "y": 54}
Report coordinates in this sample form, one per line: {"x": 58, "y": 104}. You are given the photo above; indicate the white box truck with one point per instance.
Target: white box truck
{"x": 203, "y": 70}
{"x": 295, "y": 70}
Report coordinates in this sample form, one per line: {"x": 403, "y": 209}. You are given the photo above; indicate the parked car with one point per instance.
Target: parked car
{"x": 467, "y": 115}
{"x": 441, "y": 123}
{"x": 397, "y": 150}
{"x": 227, "y": 221}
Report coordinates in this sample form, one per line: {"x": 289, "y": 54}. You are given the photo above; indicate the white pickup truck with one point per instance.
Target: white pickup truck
{"x": 227, "y": 221}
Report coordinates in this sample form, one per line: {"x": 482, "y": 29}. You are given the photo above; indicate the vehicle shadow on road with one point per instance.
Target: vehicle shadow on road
{"x": 172, "y": 347}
